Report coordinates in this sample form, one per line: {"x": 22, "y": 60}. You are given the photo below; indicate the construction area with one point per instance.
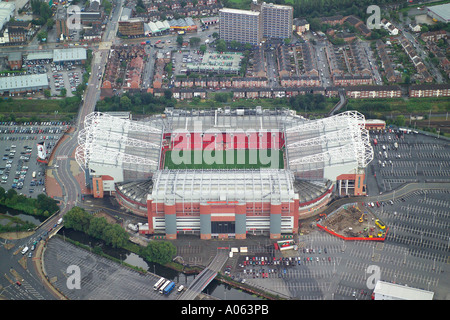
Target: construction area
{"x": 354, "y": 222}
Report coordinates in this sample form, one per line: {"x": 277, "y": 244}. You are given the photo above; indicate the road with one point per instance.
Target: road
{"x": 206, "y": 276}
{"x": 32, "y": 287}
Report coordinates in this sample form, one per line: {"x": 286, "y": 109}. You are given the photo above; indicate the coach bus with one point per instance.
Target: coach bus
{"x": 169, "y": 288}
{"x": 158, "y": 284}
{"x": 161, "y": 290}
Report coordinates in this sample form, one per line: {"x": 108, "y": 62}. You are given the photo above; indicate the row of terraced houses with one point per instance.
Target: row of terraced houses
{"x": 355, "y": 92}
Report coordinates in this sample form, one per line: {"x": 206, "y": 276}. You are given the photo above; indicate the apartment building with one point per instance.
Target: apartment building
{"x": 243, "y": 26}
{"x": 264, "y": 20}
{"x": 277, "y": 20}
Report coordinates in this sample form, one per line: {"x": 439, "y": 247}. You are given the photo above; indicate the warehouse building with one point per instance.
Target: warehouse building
{"x": 392, "y": 291}
{"x": 73, "y": 55}
{"x": 440, "y": 12}
{"x": 22, "y": 84}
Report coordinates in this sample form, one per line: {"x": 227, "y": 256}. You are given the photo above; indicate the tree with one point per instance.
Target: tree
{"x": 45, "y": 203}
{"x": 203, "y": 48}
{"x": 125, "y": 102}
{"x": 42, "y": 36}
{"x": 221, "y": 46}
{"x": 180, "y": 40}
{"x": 194, "y": 41}
{"x": 114, "y": 235}
{"x": 215, "y": 35}
{"x": 50, "y": 23}
{"x": 167, "y": 94}
{"x": 77, "y": 219}
{"x": 158, "y": 251}
{"x": 97, "y": 227}
{"x": 400, "y": 120}
{"x": 45, "y": 11}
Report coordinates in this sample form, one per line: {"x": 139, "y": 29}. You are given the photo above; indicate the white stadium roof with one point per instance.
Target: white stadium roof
{"x": 334, "y": 141}
{"x": 318, "y": 149}
{"x": 223, "y": 185}
{"x": 109, "y": 141}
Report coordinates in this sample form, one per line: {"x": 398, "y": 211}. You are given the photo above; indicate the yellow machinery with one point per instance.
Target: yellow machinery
{"x": 361, "y": 219}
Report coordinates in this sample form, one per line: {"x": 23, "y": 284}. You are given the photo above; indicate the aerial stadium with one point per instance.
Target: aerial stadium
{"x": 224, "y": 173}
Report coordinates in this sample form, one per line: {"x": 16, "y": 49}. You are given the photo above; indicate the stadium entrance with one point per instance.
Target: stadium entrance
{"x": 222, "y": 227}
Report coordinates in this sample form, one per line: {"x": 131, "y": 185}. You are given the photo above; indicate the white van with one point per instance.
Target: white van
{"x": 24, "y": 250}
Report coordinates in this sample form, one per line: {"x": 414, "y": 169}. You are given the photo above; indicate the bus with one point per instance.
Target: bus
{"x": 161, "y": 289}
{"x": 169, "y": 288}
{"x": 380, "y": 224}
{"x": 158, "y": 284}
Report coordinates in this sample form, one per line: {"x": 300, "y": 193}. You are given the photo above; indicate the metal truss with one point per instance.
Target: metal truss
{"x": 104, "y": 139}
{"x": 96, "y": 135}
{"x": 106, "y": 121}
{"x": 338, "y": 121}
{"x": 346, "y": 135}
{"x": 233, "y": 185}
{"x": 109, "y": 157}
{"x": 351, "y": 136}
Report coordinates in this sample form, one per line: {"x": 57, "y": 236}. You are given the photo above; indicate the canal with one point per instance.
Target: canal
{"x": 19, "y": 214}
{"x": 215, "y": 288}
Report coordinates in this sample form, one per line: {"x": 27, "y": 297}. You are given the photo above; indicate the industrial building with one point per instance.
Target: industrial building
{"x": 74, "y": 55}
{"x": 21, "y": 84}
{"x": 440, "y": 12}
{"x": 127, "y": 159}
{"x": 393, "y": 291}
{"x": 6, "y": 12}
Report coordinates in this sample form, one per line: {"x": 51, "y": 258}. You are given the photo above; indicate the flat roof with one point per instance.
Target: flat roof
{"x": 402, "y": 292}
{"x": 71, "y": 54}
{"x": 40, "y": 55}
{"x": 267, "y": 185}
{"x": 238, "y": 11}
{"x": 442, "y": 10}
{"x": 23, "y": 82}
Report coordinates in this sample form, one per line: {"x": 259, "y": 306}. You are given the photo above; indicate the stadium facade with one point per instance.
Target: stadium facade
{"x": 128, "y": 159}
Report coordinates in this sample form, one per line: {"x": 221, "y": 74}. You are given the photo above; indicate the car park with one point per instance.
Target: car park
{"x": 19, "y": 153}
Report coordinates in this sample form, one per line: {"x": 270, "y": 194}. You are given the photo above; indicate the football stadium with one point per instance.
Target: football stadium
{"x": 224, "y": 173}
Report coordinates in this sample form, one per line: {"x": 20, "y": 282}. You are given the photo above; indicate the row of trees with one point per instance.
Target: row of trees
{"x": 318, "y": 8}
{"x": 308, "y": 102}
{"x": 97, "y": 227}
{"x": 113, "y": 234}
{"x": 137, "y": 103}
{"x": 41, "y": 206}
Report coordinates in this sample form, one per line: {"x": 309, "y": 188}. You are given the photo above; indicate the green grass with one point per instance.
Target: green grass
{"x": 198, "y": 159}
